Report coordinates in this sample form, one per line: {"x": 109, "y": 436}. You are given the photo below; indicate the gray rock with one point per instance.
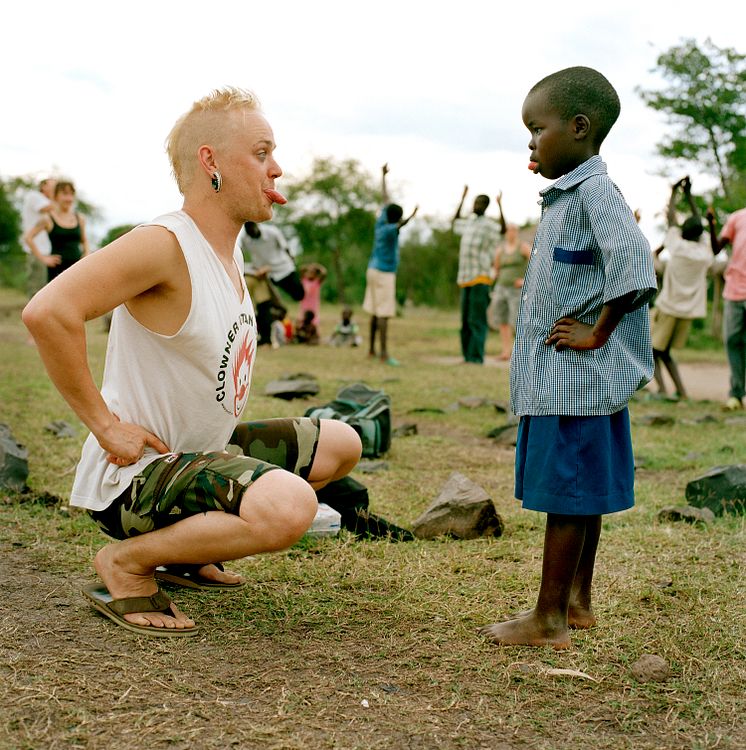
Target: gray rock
{"x": 506, "y": 434}
{"x": 651, "y": 668}
{"x": 371, "y": 467}
{"x": 687, "y": 513}
{"x": 473, "y": 402}
{"x": 292, "y": 386}
{"x": 404, "y": 430}
{"x": 462, "y": 510}
{"x": 13, "y": 462}
{"x": 722, "y": 489}
{"x": 61, "y": 429}
{"x": 657, "y": 420}
{"x": 706, "y": 419}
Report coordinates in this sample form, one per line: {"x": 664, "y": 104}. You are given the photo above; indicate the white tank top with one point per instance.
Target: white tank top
{"x": 190, "y": 388}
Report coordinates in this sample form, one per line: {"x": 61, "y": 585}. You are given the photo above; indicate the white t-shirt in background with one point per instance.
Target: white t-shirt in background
{"x": 31, "y": 215}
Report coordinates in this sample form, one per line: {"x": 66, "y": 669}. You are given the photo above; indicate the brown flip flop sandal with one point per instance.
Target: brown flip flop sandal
{"x": 189, "y": 577}
{"x": 115, "y": 609}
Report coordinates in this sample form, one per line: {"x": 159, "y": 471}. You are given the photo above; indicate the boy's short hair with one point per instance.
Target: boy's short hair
{"x": 692, "y": 228}
{"x": 394, "y": 212}
{"x": 205, "y": 122}
{"x": 582, "y": 91}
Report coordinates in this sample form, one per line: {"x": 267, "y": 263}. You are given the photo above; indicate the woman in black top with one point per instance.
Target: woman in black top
{"x": 66, "y": 231}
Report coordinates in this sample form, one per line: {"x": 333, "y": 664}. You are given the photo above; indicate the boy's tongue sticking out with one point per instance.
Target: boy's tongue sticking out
{"x": 533, "y": 166}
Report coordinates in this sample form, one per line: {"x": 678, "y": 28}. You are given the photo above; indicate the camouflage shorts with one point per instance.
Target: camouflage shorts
{"x": 185, "y": 484}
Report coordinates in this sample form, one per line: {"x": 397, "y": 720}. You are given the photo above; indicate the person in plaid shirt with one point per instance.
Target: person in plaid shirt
{"x": 480, "y": 237}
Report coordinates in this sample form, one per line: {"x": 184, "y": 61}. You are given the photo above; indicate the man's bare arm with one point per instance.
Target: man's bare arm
{"x": 143, "y": 269}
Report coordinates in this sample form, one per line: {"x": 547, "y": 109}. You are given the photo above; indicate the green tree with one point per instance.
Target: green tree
{"x": 428, "y": 268}
{"x": 705, "y": 102}
{"x": 12, "y": 257}
{"x": 115, "y": 233}
{"x": 331, "y": 211}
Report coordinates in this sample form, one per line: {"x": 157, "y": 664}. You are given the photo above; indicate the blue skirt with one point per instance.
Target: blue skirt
{"x": 575, "y": 466}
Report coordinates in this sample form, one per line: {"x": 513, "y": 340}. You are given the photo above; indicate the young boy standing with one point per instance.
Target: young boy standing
{"x": 380, "y": 277}
{"x": 582, "y": 349}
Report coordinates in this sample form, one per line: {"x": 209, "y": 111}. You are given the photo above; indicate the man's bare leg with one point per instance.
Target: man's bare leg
{"x": 337, "y": 454}
{"x": 547, "y": 624}
{"x": 274, "y": 513}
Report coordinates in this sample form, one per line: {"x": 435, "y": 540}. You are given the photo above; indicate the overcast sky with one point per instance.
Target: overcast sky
{"x": 90, "y": 90}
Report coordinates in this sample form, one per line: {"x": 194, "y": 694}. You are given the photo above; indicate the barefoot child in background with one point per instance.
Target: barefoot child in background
{"x": 582, "y": 349}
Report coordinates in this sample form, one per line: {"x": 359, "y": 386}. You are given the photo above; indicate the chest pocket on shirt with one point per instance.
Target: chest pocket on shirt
{"x": 574, "y": 277}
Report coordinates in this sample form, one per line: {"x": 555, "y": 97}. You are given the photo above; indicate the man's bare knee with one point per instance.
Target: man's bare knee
{"x": 338, "y": 452}
{"x": 278, "y": 508}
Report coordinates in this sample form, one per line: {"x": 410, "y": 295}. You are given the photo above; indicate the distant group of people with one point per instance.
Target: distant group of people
{"x": 181, "y": 300}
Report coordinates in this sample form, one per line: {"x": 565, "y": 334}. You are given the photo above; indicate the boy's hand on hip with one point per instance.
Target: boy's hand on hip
{"x": 568, "y": 333}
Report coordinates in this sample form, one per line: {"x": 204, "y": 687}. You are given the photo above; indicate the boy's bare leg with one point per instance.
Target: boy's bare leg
{"x": 546, "y": 624}
{"x": 275, "y": 512}
{"x": 383, "y": 329}
{"x": 673, "y": 371}
{"x": 658, "y": 372}
{"x": 373, "y": 331}
{"x": 580, "y": 613}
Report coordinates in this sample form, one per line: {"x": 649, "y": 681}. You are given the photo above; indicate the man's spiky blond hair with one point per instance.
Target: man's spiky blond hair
{"x": 204, "y": 123}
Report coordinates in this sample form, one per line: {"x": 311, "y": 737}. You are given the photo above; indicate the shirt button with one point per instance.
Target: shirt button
{"x": 525, "y": 297}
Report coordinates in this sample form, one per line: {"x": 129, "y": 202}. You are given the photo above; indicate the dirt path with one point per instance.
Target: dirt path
{"x": 705, "y": 381}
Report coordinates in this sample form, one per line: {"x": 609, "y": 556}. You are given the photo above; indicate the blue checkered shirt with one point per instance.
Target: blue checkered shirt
{"x": 588, "y": 250}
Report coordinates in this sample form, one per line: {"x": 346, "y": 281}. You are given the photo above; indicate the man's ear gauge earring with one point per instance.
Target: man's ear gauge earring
{"x": 217, "y": 181}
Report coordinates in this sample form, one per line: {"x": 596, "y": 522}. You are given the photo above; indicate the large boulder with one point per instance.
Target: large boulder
{"x": 13, "y": 462}
{"x": 462, "y": 510}
{"x": 722, "y": 489}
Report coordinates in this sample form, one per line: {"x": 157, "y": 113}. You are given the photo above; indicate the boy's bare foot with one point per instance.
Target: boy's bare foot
{"x": 123, "y": 583}
{"x": 578, "y": 618}
{"x": 527, "y": 631}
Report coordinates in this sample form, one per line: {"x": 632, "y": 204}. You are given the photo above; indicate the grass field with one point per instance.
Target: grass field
{"x": 347, "y": 644}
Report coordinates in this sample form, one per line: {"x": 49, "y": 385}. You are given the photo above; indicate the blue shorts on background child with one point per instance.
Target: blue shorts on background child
{"x": 582, "y": 349}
